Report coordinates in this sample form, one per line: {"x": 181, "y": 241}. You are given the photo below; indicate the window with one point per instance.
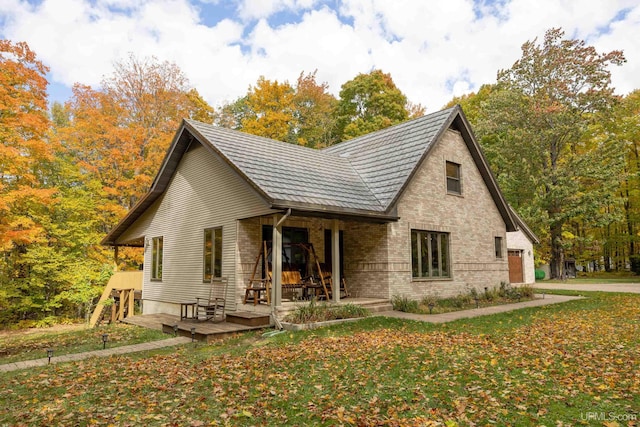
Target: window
{"x": 156, "y": 258}
{"x": 498, "y": 247}
{"x": 212, "y": 254}
{"x": 430, "y": 254}
{"x": 453, "y": 178}
{"x": 294, "y": 257}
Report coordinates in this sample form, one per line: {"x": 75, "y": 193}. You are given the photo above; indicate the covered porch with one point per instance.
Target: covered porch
{"x": 287, "y": 258}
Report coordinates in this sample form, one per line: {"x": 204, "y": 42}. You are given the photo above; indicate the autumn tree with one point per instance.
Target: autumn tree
{"x": 368, "y": 103}
{"x": 300, "y": 114}
{"x": 539, "y": 119}
{"x": 25, "y": 156}
{"x": 269, "y": 109}
{"x": 313, "y": 108}
{"x": 118, "y": 134}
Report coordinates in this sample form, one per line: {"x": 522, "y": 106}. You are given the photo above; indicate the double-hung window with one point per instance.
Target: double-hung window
{"x": 430, "y": 254}
{"x": 212, "y": 254}
{"x": 454, "y": 185}
{"x": 156, "y": 258}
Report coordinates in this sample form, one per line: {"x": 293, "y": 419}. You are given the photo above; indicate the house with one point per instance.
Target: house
{"x": 520, "y": 253}
{"x": 409, "y": 210}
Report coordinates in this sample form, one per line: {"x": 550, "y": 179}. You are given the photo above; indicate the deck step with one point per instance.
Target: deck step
{"x": 376, "y": 308}
{"x": 248, "y": 318}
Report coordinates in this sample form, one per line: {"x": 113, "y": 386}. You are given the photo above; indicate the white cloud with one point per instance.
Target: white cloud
{"x": 260, "y": 9}
{"x": 433, "y": 50}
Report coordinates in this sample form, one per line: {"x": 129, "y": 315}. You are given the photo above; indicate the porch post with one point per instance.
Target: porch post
{"x": 115, "y": 258}
{"x": 276, "y": 268}
{"x": 335, "y": 261}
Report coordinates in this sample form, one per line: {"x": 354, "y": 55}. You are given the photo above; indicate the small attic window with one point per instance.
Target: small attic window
{"x": 454, "y": 185}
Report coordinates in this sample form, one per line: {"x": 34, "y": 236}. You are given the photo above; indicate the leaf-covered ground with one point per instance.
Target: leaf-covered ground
{"x": 16, "y": 345}
{"x": 577, "y": 363}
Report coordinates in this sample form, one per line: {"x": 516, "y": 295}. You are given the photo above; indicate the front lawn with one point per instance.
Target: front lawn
{"x": 599, "y": 277}
{"x": 561, "y": 364}
{"x": 33, "y": 344}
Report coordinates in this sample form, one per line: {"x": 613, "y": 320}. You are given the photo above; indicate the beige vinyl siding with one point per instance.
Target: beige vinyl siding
{"x": 142, "y": 224}
{"x": 203, "y": 193}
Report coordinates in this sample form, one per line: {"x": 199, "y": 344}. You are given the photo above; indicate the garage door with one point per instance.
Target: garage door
{"x": 515, "y": 267}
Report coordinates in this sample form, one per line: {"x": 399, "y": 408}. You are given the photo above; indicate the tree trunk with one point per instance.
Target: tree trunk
{"x": 557, "y": 252}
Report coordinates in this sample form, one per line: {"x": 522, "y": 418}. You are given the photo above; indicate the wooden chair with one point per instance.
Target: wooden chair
{"x": 327, "y": 276}
{"x": 258, "y": 290}
{"x": 214, "y": 306}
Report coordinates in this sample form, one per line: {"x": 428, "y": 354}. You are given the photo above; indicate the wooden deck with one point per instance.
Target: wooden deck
{"x": 204, "y": 331}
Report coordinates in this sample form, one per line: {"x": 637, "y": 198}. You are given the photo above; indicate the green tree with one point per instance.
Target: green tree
{"x": 540, "y": 120}
{"x": 368, "y": 103}
{"x": 231, "y": 115}
{"x": 626, "y": 128}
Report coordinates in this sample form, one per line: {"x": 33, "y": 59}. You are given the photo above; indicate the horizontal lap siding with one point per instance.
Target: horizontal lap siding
{"x": 203, "y": 193}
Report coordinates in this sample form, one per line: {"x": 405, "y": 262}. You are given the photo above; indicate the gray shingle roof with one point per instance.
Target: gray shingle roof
{"x": 385, "y": 159}
{"x": 365, "y": 173}
{"x": 291, "y": 173}
{"x": 361, "y": 177}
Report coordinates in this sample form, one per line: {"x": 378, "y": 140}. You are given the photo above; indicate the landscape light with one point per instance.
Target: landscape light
{"x": 49, "y": 354}
{"x": 477, "y": 300}
{"x": 193, "y": 334}
{"x": 105, "y": 338}
{"x": 175, "y": 330}
{"x": 431, "y": 305}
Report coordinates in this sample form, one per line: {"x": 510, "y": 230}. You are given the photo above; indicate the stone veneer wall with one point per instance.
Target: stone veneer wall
{"x": 378, "y": 256}
{"x": 471, "y": 219}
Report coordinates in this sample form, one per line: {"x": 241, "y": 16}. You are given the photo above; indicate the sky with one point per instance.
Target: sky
{"x": 433, "y": 49}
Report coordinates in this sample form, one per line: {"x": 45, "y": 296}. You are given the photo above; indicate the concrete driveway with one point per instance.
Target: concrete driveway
{"x": 603, "y": 287}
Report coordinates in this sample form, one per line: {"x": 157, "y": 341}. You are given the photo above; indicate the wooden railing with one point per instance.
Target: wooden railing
{"x": 123, "y": 285}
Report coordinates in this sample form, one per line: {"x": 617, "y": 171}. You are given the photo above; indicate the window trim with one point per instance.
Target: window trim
{"x": 454, "y": 179}
{"x": 157, "y": 258}
{"x": 207, "y": 277}
{"x": 443, "y": 249}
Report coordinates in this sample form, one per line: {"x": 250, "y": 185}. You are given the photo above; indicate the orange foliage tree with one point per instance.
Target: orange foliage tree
{"x": 26, "y": 158}
{"x": 24, "y": 150}
{"x": 300, "y": 115}
{"x": 119, "y": 133}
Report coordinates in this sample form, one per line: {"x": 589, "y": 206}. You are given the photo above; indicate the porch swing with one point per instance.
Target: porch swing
{"x": 259, "y": 286}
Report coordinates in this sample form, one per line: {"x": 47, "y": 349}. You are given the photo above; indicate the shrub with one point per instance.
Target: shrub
{"x": 461, "y": 300}
{"x": 349, "y": 311}
{"x": 429, "y": 300}
{"x": 405, "y": 304}
{"x": 526, "y": 291}
{"x": 313, "y": 312}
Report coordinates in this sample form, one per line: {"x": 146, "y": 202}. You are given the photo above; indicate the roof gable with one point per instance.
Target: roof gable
{"x": 385, "y": 160}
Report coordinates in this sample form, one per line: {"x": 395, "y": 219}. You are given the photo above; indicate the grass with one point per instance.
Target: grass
{"x": 599, "y": 277}
{"x": 17, "y": 346}
{"x": 549, "y": 366}
{"x": 499, "y": 295}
